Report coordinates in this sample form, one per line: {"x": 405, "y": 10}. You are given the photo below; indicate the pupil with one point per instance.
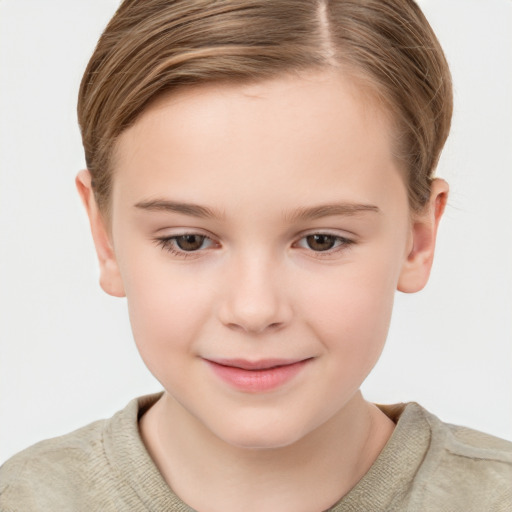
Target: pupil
{"x": 320, "y": 242}
{"x": 189, "y": 242}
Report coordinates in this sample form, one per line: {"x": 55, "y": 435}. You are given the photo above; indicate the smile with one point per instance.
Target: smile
{"x": 256, "y": 376}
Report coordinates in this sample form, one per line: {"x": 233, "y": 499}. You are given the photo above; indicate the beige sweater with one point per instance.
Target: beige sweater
{"x": 426, "y": 465}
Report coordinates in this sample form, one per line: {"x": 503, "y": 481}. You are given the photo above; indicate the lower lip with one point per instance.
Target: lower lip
{"x": 257, "y": 381}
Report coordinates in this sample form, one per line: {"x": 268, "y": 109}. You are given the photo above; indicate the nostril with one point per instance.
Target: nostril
{"x": 235, "y": 327}
{"x": 254, "y": 329}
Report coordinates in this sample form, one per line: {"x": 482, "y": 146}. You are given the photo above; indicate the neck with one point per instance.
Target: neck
{"x": 330, "y": 460}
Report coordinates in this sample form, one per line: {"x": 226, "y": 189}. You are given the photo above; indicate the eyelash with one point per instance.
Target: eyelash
{"x": 169, "y": 244}
{"x": 341, "y": 244}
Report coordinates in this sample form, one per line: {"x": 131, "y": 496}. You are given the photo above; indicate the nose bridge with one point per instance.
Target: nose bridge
{"x": 255, "y": 300}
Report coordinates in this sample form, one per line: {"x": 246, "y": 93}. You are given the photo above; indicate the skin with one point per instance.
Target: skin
{"x": 256, "y": 156}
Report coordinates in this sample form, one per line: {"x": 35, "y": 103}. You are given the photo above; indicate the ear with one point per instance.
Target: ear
{"x": 416, "y": 269}
{"x": 110, "y": 277}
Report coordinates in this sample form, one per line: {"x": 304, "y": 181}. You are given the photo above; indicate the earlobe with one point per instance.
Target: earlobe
{"x": 416, "y": 269}
{"x": 110, "y": 277}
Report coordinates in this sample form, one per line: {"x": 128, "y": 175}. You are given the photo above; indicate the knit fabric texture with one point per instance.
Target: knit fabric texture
{"x": 427, "y": 465}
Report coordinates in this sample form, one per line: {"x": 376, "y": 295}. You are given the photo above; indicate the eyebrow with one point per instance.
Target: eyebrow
{"x": 327, "y": 210}
{"x": 300, "y": 214}
{"x": 162, "y": 205}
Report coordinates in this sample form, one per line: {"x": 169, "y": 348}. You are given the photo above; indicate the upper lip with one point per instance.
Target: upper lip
{"x": 261, "y": 364}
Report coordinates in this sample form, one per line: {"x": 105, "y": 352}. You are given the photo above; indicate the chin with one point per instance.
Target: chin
{"x": 254, "y": 435}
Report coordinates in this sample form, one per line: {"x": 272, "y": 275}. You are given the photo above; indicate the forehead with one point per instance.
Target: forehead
{"x": 301, "y": 131}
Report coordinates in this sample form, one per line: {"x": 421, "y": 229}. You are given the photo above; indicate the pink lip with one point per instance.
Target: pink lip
{"x": 256, "y": 376}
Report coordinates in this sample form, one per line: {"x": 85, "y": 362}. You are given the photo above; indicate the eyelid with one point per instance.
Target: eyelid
{"x": 336, "y": 233}
{"x": 167, "y": 242}
{"x": 346, "y": 243}
{"x": 172, "y": 231}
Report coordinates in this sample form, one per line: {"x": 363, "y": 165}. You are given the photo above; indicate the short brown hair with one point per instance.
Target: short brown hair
{"x": 153, "y": 47}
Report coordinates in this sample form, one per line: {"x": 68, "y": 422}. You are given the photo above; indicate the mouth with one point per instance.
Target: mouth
{"x": 257, "y": 376}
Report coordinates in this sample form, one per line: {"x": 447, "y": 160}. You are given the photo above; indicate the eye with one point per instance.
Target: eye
{"x": 323, "y": 242}
{"x": 320, "y": 242}
{"x": 181, "y": 245}
{"x": 189, "y": 242}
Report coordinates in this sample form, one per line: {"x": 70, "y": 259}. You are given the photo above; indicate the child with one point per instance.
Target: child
{"x": 260, "y": 181}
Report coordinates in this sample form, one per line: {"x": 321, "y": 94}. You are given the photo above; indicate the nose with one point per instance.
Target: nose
{"x": 255, "y": 298}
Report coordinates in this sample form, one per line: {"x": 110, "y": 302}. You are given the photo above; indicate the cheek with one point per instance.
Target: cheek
{"x": 357, "y": 316}
{"x": 351, "y": 309}
{"x": 353, "y": 327}
{"x": 166, "y": 311}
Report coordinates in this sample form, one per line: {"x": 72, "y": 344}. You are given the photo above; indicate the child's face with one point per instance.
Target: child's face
{"x": 260, "y": 224}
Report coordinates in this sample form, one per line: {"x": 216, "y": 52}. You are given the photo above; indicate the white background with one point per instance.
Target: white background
{"x": 67, "y": 356}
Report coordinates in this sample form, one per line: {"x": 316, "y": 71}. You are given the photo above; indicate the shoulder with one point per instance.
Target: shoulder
{"x": 51, "y": 470}
{"x": 78, "y": 471}
{"x": 464, "y": 467}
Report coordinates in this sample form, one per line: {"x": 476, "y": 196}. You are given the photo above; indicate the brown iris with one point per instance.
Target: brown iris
{"x": 190, "y": 242}
{"x": 321, "y": 242}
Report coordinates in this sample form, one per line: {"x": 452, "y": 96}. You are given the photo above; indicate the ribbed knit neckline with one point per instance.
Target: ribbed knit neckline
{"x": 384, "y": 484}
